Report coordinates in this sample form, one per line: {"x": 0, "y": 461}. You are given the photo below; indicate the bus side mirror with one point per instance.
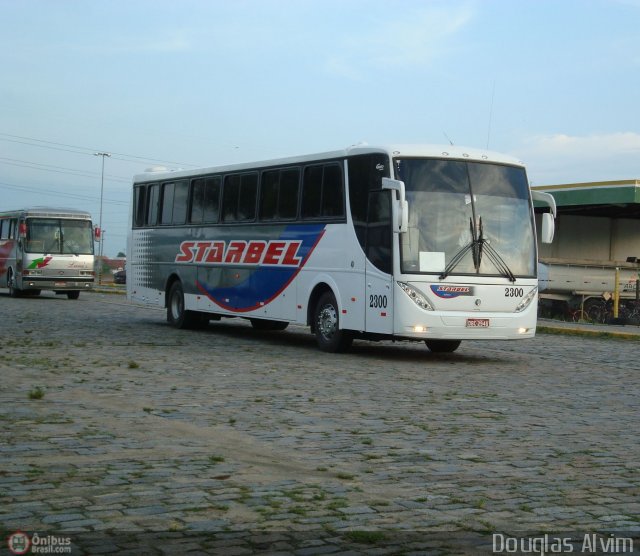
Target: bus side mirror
{"x": 400, "y": 207}
{"x": 548, "y": 218}
{"x": 548, "y": 227}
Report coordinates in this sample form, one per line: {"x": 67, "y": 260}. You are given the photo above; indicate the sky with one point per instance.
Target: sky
{"x": 555, "y": 83}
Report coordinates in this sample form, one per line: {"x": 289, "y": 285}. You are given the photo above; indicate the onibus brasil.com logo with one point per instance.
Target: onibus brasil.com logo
{"x": 20, "y": 543}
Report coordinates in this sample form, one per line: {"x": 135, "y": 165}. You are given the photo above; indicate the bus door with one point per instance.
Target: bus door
{"x": 378, "y": 266}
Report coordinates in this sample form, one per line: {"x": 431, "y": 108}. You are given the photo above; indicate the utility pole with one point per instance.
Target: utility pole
{"x": 100, "y": 251}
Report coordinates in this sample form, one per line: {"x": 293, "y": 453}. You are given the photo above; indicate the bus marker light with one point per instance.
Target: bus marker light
{"x": 344, "y": 311}
{"x": 523, "y": 330}
{"x": 419, "y": 328}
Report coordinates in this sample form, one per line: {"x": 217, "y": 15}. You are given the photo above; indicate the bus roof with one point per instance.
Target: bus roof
{"x": 439, "y": 151}
{"x": 48, "y": 212}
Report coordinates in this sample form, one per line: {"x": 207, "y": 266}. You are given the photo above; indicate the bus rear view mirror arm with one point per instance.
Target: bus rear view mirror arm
{"x": 400, "y": 205}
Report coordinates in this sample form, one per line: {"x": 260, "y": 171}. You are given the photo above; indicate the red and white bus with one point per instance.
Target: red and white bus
{"x": 436, "y": 244}
{"x": 46, "y": 249}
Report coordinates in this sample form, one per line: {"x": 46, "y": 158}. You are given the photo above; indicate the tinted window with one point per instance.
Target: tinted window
{"x": 239, "y": 197}
{"x": 212, "y": 198}
{"x": 279, "y": 194}
{"x": 167, "y": 203}
{"x": 197, "y": 201}
{"x": 322, "y": 192}
{"x": 312, "y": 192}
{"x": 205, "y": 199}
{"x": 180, "y": 198}
{"x": 139, "y": 206}
{"x": 152, "y": 204}
{"x": 269, "y": 190}
{"x": 332, "y": 195}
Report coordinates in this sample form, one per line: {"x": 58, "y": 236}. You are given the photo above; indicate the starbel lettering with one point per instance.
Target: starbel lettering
{"x": 237, "y": 252}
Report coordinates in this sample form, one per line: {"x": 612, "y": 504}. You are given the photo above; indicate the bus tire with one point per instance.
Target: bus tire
{"x": 176, "y": 314}
{"x": 75, "y": 294}
{"x": 442, "y": 346}
{"x": 264, "y": 324}
{"x": 14, "y": 291}
{"x": 326, "y": 320}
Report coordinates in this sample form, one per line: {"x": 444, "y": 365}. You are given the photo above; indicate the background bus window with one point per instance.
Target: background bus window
{"x": 166, "y": 214}
{"x": 312, "y": 192}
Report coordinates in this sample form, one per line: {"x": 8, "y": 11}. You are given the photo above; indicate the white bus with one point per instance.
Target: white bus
{"x": 402, "y": 242}
{"x": 46, "y": 249}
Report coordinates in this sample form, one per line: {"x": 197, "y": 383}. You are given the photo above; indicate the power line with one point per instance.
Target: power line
{"x": 79, "y": 150}
{"x": 57, "y": 169}
{"x": 6, "y": 185}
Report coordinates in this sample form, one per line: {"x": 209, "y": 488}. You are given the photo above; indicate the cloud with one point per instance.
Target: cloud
{"x": 415, "y": 39}
{"x": 563, "y": 158}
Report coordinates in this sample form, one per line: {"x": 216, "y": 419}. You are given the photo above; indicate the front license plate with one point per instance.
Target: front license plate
{"x": 59, "y": 284}
{"x": 477, "y": 323}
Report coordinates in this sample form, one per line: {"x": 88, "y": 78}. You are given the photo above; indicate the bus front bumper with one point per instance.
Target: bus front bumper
{"x": 37, "y": 283}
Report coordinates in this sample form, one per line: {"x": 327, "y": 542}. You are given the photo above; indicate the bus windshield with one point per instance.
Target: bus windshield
{"x": 59, "y": 236}
{"x": 473, "y": 216}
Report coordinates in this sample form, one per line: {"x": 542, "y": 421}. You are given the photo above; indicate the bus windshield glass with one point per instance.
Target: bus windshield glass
{"x": 468, "y": 218}
{"x": 59, "y": 236}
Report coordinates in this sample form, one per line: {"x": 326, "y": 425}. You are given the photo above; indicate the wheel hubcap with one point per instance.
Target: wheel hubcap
{"x": 327, "y": 321}
{"x": 176, "y": 306}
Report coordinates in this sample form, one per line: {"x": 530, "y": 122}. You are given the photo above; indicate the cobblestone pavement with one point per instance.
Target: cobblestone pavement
{"x": 232, "y": 441}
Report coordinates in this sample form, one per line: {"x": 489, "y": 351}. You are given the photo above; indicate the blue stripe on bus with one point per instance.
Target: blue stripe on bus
{"x": 266, "y": 283}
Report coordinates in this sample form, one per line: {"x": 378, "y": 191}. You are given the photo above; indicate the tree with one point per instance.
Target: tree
{"x": 120, "y": 255}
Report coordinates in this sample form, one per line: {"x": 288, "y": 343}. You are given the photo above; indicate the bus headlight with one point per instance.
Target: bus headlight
{"x": 419, "y": 299}
{"x": 526, "y": 300}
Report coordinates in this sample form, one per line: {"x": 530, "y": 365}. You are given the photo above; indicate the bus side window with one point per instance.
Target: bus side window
{"x": 180, "y": 199}
{"x": 139, "y": 205}
{"x": 312, "y": 192}
{"x": 332, "y": 191}
{"x": 323, "y": 192}
{"x": 239, "y": 197}
{"x": 152, "y": 205}
{"x": 211, "y": 205}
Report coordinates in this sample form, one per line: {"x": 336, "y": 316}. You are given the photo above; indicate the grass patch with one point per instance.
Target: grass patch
{"x": 365, "y": 537}
{"x": 36, "y": 393}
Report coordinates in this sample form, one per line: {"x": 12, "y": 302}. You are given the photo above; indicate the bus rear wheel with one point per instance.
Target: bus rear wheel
{"x": 443, "y": 346}
{"x": 326, "y": 322}
{"x": 176, "y": 314}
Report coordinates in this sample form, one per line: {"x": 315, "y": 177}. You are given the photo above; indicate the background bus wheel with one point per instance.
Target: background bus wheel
{"x": 176, "y": 314}
{"x": 14, "y": 291}
{"x": 73, "y": 294}
{"x": 327, "y": 325}
{"x": 263, "y": 324}
{"x": 442, "y": 346}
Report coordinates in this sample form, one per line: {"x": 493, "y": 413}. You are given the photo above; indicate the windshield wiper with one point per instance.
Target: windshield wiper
{"x": 478, "y": 245}
{"x": 455, "y": 261}
{"x": 493, "y": 256}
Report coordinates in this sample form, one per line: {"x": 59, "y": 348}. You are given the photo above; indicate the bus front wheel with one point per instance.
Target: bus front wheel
{"x": 14, "y": 290}
{"x": 442, "y": 346}
{"x": 176, "y": 313}
{"x": 326, "y": 322}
